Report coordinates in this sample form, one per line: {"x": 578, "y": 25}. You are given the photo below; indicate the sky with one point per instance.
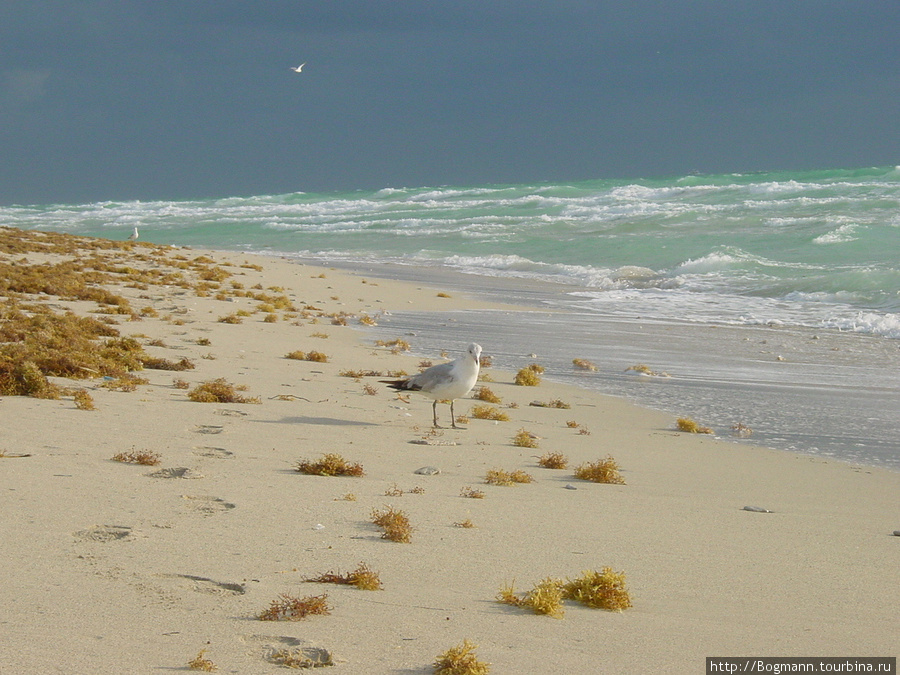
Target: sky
{"x": 110, "y": 100}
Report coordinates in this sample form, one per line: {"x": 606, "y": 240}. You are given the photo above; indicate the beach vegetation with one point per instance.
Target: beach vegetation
{"x": 507, "y": 478}
{"x": 545, "y": 598}
{"x": 157, "y": 363}
{"x": 143, "y": 457}
{"x": 642, "y": 369}
{"x": 367, "y": 320}
{"x": 200, "y": 662}
{"x": 466, "y": 524}
{"x": 555, "y": 403}
{"x": 178, "y": 383}
{"x": 306, "y": 657}
{"x": 488, "y": 412}
{"x": 331, "y": 464}
{"x": 553, "y": 460}
{"x": 471, "y": 493}
{"x": 689, "y": 426}
{"x": 443, "y": 295}
{"x": 315, "y": 356}
{"x": 742, "y": 430}
{"x": 270, "y": 318}
{"x": 231, "y": 318}
{"x": 605, "y": 589}
{"x": 292, "y": 608}
{"x": 525, "y": 439}
{"x": 395, "y": 524}
{"x": 528, "y": 377}
{"x": 126, "y": 383}
{"x": 584, "y": 364}
{"x": 220, "y": 391}
{"x": 601, "y": 471}
{"x": 369, "y": 390}
{"x": 83, "y": 400}
{"x": 486, "y": 395}
{"x": 396, "y": 346}
{"x": 362, "y": 578}
{"x": 460, "y": 660}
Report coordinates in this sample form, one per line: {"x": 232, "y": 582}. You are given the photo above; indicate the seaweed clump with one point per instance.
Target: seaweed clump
{"x": 501, "y": 477}
{"x": 460, "y": 660}
{"x": 36, "y": 343}
{"x": 362, "y": 577}
{"x": 395, "y": 524}
{"x": 601, "y": 590}
{"x": 331, "y": 464}
{"x": 601, "y": 471}
{"x": 545, "y": 598}
{"x": 290, "y": 608}
{"x": 553, "y": 460}
{"x": 219, "y": 391}
{"x": 200, "y": 662}
{"x": 688, "y": 425}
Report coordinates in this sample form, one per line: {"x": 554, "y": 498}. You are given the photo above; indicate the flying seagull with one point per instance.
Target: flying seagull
{"x": 134, "y": 235}
{"x": 447, "y": 381}
{"x": 298, "y": 68}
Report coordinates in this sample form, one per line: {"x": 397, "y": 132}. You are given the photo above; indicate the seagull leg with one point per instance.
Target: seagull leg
{"x": 434, "y": 412}
{"x": 453, "y": 416}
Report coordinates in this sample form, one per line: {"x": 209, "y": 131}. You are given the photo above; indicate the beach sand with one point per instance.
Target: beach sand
{"x": 112, "y": 567}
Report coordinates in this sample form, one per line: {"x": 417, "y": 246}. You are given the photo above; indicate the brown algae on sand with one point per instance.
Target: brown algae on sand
{"x": 601, "y": 471}
{"x": 553, "y": 460}
{"x": 507, "y": 478}
{"x": 292, "y": 608}
{"x": 395, "y": 524}
{"x": 601, "y": 590}
{"x": 219, "y": 391}
{"x": 545, "y": 598}
{"x": 689, "y": 426}
{"x": 460, "y": 660}
{"x": 143, "y": 457}
{"x": 331, "y": 464}
{"x": 200, "y": 662}
{"x": 525, "y": 439}
{"x": 488, "y": 412}
{"x": 362, "y": 577}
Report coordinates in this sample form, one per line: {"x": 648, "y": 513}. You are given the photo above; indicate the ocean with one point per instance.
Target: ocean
{"x": 772, "y": 300}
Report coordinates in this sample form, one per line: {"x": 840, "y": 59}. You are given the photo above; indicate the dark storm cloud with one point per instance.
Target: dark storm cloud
{"x": 171, "y": 99}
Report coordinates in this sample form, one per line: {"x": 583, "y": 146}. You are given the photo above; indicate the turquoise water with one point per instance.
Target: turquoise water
{"x": 773, "y": 299}
{"x": 816, "y": 249}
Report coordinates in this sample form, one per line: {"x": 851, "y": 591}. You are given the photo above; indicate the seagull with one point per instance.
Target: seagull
{"x": 298, "y": 68}
{"x": 134, "y": 235}
{"x": 444, "y": 381}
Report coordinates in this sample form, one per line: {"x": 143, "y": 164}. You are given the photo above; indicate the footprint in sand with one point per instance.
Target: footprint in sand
{"x": 207, "y": 506}
{"x": 270, "y": 646}
{"x": 175, "y": 472}
{"x": 208, "y": 429}
{"x": 206, "y": 585}
{"x": 210, "y": 451}
{"x": 103, "y": 533}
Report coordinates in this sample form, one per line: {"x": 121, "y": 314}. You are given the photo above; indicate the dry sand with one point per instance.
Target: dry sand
{"x": 110, "y": 569}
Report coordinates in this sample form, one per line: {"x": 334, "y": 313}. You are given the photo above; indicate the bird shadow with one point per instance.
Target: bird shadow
{"x": 325, "y": 421}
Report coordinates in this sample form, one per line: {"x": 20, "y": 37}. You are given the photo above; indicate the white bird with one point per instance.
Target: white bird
{"x": 298, "y": 68}
{"x": 134, "y": 235}
{"x": 447, "y": 381}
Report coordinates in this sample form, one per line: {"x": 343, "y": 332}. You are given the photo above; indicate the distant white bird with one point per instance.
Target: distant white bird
{"x": 445, "y": 381}
{"x": 298, "y": 68}
{"x": 134, "y": 235}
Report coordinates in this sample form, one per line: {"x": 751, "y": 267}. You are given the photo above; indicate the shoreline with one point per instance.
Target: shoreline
{"x": 113, "y": 569}
{"x": 823, "y": 393}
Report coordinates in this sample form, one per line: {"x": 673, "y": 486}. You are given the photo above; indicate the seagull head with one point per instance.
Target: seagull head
{"x": 474, "y": 351}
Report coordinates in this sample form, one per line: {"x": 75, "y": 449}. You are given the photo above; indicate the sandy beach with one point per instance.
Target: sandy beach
{"x": 116, "y": 567}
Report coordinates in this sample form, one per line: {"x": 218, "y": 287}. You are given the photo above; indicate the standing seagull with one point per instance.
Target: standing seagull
{"x": 134, "y": 235}
{"x": 445, "y": 381}
{"x": 298, "y": 68}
